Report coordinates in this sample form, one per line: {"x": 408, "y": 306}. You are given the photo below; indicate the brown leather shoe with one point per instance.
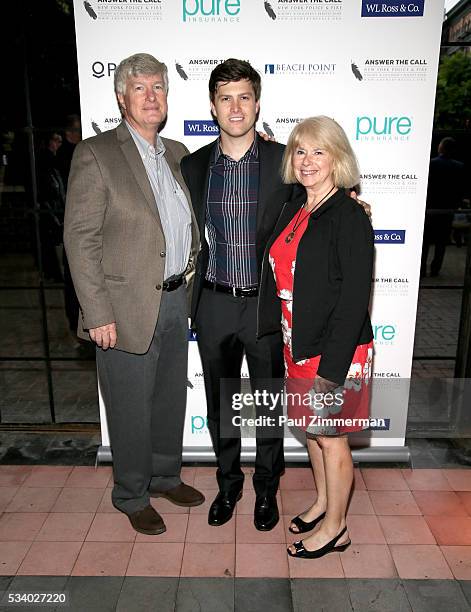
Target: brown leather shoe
{"x": 181, "y": 495}
{"x": 147, "y": 521}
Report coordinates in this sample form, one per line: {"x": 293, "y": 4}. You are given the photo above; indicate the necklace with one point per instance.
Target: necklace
{"x": 298, "y": 222}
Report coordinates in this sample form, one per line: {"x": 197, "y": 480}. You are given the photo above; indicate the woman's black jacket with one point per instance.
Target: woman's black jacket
{"x": 332, "y": 282}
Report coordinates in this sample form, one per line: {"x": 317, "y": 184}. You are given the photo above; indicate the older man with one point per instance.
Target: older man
{"x": 131, "y": 240}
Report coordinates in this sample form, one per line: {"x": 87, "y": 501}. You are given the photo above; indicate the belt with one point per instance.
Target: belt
{"x": 173, "y": 283}
{"x": 234, "y": 291}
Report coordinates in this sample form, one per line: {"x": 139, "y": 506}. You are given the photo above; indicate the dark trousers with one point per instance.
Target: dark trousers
{"x": 437, "y": 231}
{"x": 226, "y": 329}
{"x": 145, "y": 398}
{"x": 70, "y": 297}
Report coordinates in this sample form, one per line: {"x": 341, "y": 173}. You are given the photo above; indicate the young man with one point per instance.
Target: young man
{"x": 237, "y": 193}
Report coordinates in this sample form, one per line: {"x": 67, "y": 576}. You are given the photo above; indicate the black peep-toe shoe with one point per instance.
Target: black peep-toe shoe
{"x": 303, "y": 526}
{"x": 302, "y": 553}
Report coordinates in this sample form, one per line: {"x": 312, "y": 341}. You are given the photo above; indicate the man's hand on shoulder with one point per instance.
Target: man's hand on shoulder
{"x": 366, "y": 206}
{"x": 104, "y": 336}
{"x": 264, "y": 136}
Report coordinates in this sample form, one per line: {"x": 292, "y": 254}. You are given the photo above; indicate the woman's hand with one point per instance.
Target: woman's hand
{"x": 323, "y": 385}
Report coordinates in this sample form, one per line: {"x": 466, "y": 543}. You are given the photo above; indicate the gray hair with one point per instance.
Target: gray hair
{"x": 140, "y": 63}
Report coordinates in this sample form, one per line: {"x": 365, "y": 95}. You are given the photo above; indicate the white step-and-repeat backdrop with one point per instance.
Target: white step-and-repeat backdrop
{"x": 370, "y": 65}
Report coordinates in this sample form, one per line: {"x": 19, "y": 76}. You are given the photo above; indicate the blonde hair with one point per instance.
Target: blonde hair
{"x": 329, "y": 135}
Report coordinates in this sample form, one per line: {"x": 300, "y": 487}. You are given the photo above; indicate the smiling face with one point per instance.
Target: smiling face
{"x": 313, "y": 166}
{"x": 144, "y": 104}
{"x": 235, "y": 108}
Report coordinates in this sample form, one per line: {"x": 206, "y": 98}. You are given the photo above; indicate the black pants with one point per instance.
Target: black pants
{"x": 70, "y": 297}
{"x": 437, "y": 231}
{"x": 226, "y": 329}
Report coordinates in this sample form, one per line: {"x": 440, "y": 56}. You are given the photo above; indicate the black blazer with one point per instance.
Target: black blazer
{"x": 332, "y": 282}
{"x": 272, "y": 194}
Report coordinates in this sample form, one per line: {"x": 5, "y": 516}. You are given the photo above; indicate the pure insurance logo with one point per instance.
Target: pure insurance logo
{"x": 210, "y": 10}
{"x": 383, "y": 128}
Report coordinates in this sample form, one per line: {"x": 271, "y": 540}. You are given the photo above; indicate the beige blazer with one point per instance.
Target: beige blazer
{"x": 114, "y": 239}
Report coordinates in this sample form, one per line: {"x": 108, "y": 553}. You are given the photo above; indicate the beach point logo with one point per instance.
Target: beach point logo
{"x": 300, "y": 68}
{"x": 392, "y": 8}
{"x": 383, "y": 128}
{"x": 210, "y": 10}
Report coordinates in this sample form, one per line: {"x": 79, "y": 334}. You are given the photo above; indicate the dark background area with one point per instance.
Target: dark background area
{"x": 47, "y": 377}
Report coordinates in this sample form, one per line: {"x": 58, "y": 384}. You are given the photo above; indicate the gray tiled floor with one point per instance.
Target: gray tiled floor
{"x": 210, "y": 594}
{"x": 381, "y": 595}
{"x": 436, "y": 596}
{"x": 134, "y": 594}
{"x": 328, "y": 595}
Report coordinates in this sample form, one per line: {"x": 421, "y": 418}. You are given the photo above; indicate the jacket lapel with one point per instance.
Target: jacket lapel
{"x": 267, "y": 170}
{"x": 202, "y": 186}
{"x": 175, "y": 170}
{"x": 175, "y": 167}
{"x": 137, "y": 168}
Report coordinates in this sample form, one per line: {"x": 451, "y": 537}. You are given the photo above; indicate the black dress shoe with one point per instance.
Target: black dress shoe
{"x": 222, "y": 508}
{"x": 266, "y": 514}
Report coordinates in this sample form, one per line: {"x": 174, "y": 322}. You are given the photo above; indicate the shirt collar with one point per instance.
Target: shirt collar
{"x": 146, "y": 149}
{"x": 250, "y": 155}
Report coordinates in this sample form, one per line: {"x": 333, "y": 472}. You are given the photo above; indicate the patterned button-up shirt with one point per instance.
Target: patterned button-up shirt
{"x": 231, "y": 218}
{"x": 171, "y": 202}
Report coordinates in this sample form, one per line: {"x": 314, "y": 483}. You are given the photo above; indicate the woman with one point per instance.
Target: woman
{"x": 321, "y": 254}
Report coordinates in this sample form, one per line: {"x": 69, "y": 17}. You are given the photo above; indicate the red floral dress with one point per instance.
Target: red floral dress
{"x": 348, "y": 411}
